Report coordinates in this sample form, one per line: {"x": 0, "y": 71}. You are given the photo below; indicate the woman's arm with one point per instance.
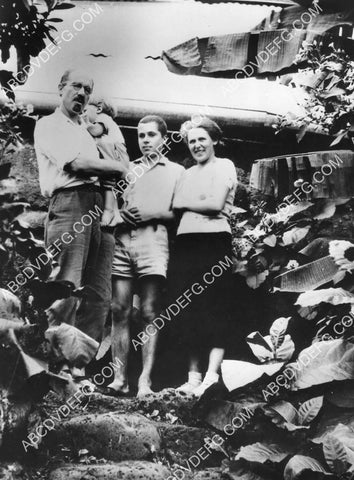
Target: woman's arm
{"x": 210, "y": 203}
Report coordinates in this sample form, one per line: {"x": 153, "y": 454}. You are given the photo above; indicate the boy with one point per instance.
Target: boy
{"x": 110, "y": 143}
{"x": 142, "y": 248}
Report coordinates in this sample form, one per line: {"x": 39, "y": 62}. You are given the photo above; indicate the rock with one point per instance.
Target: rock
{"x": 182, "y": 441}
{"x": 106, "y": 403}
{"x": 112, "y": 436}
{"x": 25, "y": 170}
{"x": 12, "y": 471}
{"x": 169, "y": 401}
{"x": 212, "y": 474}
{"x": 134, "y": 470}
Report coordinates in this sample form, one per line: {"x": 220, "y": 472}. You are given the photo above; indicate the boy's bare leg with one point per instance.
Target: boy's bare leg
{"x": 150, "y": 308}
{"x": 122, "y": 300}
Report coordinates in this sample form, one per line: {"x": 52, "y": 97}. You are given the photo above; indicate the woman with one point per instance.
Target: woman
{"x": 204, "y": 197}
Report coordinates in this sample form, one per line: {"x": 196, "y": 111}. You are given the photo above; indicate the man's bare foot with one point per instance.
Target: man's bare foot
{"x": 107, "y": 217}
{"x": 120, "y": 387}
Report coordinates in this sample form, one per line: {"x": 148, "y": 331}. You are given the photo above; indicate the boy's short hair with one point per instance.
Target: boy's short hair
{"x": 106, "y": 106}
{"x": 211, "y": 127}
{"x": 160, "y": 122}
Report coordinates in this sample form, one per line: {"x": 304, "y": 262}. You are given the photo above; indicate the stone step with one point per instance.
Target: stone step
{"x": 112, "y": 436}
{"x": 133, "y": 470}
{"x": 129, "y": 470}
{"x": 130, "y": 436}
{"x": 180, "y": 442}
{"x": 162, "y": 403}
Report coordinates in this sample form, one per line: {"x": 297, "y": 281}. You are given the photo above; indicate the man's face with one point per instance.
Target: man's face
{"x": 75, "y": 93}
{"x": 149, "y": 138}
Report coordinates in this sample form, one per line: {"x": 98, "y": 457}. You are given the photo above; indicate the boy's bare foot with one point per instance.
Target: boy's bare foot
{"x": 107, "y": 217}
{"x": 119, "y": 387}
{"x": 144, "y": 388}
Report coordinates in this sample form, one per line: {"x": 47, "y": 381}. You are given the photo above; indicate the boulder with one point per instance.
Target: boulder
{"x": 112, "y": 436}
{"x": 181, "y": 441}
{"x": 134, "y": 470}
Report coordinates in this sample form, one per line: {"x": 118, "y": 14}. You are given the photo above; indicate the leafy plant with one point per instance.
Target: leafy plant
{"x": 328, "y": 86}
{"x": 25, "y": 26}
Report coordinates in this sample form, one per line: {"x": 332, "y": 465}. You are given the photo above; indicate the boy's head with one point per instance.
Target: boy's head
{"x": 97, "y": 106}
{"x": 152, "y": 131}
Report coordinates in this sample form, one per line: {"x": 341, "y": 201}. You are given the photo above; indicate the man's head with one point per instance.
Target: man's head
{"x": 152, "y": 131}
{"x": 75, "y": 88}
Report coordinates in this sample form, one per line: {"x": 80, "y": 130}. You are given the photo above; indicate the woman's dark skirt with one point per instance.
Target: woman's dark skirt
{"x": 201, "y": 268}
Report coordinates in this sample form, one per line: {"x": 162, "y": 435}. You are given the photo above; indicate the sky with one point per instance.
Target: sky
{"x": 127, "y": 32}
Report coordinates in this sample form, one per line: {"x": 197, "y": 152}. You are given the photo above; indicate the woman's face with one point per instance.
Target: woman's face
{"x": 200, "y": 144}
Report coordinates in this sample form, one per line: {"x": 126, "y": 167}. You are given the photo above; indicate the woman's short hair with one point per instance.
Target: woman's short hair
{"x": 160, "y": 122}
{"x": 209, "y": 125}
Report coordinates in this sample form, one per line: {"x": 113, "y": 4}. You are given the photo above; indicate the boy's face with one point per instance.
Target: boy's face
{"x": 91, "y": 112}
{"x": 149, "y": 138}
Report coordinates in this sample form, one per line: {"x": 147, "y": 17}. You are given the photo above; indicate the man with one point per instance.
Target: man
{"x": 69, "y": 165}
{"x": 142, "y": 248}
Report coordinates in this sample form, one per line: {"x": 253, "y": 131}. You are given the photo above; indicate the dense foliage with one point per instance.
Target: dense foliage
{"x": 328, "y": 84}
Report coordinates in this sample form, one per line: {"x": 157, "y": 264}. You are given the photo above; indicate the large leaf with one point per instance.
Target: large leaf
{"x": 255, "y": 280}
{"x": 323, "y": 362}
{"x": 342, "y": 253}
{"x": 285, "y": 415}
{"x": 264, "y": 349}
{"x": 286, "y": 213}
{"x": 255, "y": 338}
{"x": 334, "y": 296}
{"x": 280, "y": 412}
{"x": 240, "y": 471}
{"x": 338, "y": 449}
{"x": 309, "y": 410}
{"x": 70, "y": 344}
{"x": 335, "y": 455}
{"x": 223, "y": 412}
{"x": 236, "y": 374}
{"x": 307, "y": 277}
{"x": 262, "y": 452}
{"x": 63, "y": 6}
{"x": 326, "y": 209}
{"x": 278, "y": 330}
{"x": 295, "y": 235}
{"x": 298, "y": 464}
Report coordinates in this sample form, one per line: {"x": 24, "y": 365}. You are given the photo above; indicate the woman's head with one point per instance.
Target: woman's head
{"x": 201, "y": 138}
